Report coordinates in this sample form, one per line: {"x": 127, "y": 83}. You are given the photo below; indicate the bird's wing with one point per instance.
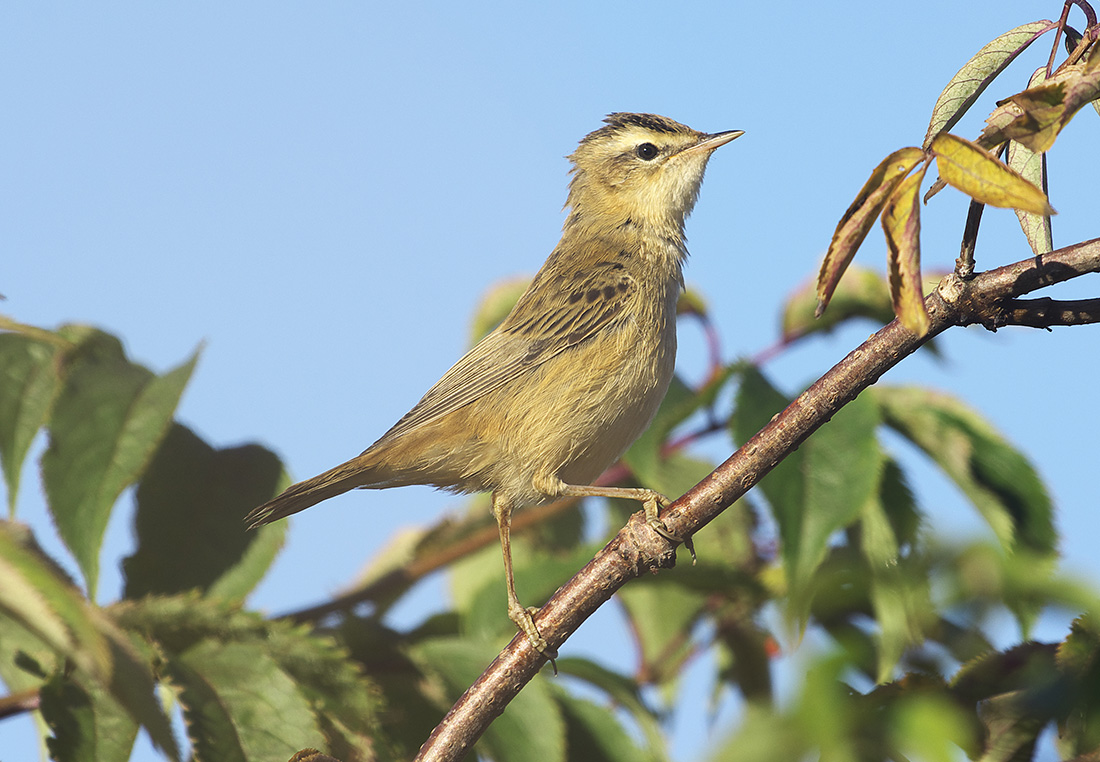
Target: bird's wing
{"x": 558, "y": 311}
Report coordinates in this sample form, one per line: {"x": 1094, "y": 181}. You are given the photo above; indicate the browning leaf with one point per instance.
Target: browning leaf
{"x": 1036, "y": 116}
{"x": 857, "y": 221}
{"x": 901, "y": 223}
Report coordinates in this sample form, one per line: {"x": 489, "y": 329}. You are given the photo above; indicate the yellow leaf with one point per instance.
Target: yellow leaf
{"x": 978, "y": 174}
{"x": 901, "y": 223}
{"x": 857, "y": 221}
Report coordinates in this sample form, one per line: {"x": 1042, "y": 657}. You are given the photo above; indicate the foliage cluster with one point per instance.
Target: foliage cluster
{"x": 833, "y": 547}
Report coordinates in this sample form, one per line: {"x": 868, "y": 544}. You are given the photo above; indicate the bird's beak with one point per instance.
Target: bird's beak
{"x": 710, "y": 142}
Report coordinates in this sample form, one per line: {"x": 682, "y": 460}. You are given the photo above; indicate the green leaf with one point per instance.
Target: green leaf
{"x": 972, "y": 79}
{"x": 929, "y": 727}
{"x": 899, "y": 590}
{"x": 646, "y": 457}
{"x": 862, "y": 293}
{"x": 107, "y": 421}
{"x": 842, "y": 469}
{"x": 531, "y": 728}
{"x": 764, "y": 735}
{"x": 756, "y": 403}
{"x": 25, "y": 661}
{"x": 28, "y": 381}
{"x": 132, "y": 684}
{"x": 344, "y": 703}
{"x": 621, "y": 690}
{"x": 661, "y": 613}
{"x": 85, "y": 725}
{"x": 820, "y": 488}
{"x": 40, "y": 598}
{"x": 240, "y": 705}
{"x": 993, "y": 474}
{"x": 594, "y": 734}
{"x": 189, "y": 520}
{"x": 538, "y": 575}
{"x": 1078, "y": 658}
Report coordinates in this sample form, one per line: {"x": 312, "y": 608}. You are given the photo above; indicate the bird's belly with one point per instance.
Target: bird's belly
{"x": 584, "y": 408}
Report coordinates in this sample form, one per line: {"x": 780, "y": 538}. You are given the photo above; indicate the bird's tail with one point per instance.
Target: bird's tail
{"x": 298, "y": 497}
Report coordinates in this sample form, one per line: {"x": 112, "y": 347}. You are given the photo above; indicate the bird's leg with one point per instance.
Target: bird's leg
{"x": 502, "y": 510}
{"x": 651, "y": 502}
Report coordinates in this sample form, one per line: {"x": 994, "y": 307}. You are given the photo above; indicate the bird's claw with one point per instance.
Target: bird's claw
{"x": 659, "y": 527}
{"x": 524, "y": 620}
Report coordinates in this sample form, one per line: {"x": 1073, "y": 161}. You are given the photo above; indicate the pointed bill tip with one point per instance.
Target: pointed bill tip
{"x": 715, "y": 140}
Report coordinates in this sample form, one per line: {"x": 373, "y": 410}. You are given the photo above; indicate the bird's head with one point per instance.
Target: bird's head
{"x": 643, "y": 168}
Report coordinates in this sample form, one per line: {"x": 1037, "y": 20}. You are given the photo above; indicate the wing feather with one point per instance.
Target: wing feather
{"x": 558, "y": 311}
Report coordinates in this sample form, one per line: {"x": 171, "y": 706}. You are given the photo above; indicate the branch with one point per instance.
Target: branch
{"x": 19, "y": 703}
{"x": 987, "y": 299}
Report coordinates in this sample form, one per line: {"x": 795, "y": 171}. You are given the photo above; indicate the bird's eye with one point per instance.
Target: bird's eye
{"x": 647, "y": 151}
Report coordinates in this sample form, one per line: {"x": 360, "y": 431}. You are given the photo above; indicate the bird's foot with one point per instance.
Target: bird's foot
{"x": 652, "y": 509}
{"x": 524, "y": 620}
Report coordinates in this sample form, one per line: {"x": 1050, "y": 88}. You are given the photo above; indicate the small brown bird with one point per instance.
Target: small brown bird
{"x": 575, "y": 373}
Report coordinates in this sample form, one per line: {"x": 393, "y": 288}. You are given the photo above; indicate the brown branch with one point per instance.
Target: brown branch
{"x": 637, "y": 549}
{"x": 1046, "y": 313}
{"x": 20, "y": 702}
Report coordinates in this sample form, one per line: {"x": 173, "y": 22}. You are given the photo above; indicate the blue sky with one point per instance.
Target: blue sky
{"x": 321, "y": 194}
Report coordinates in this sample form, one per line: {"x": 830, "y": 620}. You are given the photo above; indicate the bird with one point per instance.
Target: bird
{"x": 558, "y": 391}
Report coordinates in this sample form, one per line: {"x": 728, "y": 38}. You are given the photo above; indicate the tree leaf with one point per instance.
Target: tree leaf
{"x": 976, "y": 74}
{"x": 756, "y": 403}
{"x": 345, "y": 704}
{"x": 863, "y": 293}
{"x": 978, "y": 174}
{"x": 28, "y": 382}
{"x": 1035, "y": 116}
{"x": 239, "y": 705}
{"x": 40, "y": 598}
{"x": 899, "y": 589}
{"x": 1078, "y": 658}
{"x": 189, "y": 525}
{"x": 860, "y": 216}
{"x": 661, "y": 613}
{"x": 623, "y": 691}
{"x": 83, "y": 728}
{"x": 994, "y": 475}
{"x": 841, "y": 472}
{"x": 107, "y": 421}
{"x": 594, "y": 734}
{"x": 531, "y": 728}
{"x": 818, "y": 489}
{"x": 48, "y": 605}
{"x": 1032, "y": 167}
{"x": 901, "y": 223}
